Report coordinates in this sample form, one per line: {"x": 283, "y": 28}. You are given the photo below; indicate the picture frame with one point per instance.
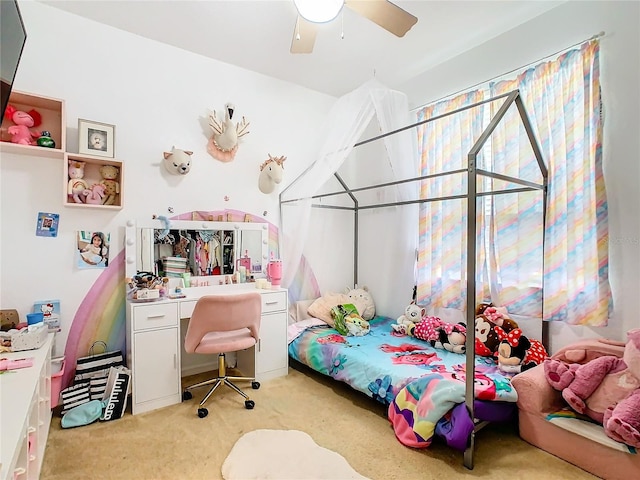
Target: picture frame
{"x": 47, "y": 225}
{"x": 96, "y": 138}
{"x": 51, "y": 313}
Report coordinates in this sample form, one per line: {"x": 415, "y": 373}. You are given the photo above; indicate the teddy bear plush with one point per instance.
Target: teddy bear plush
{"x": 109, "y": 175}
{"x": 606, "y": 389}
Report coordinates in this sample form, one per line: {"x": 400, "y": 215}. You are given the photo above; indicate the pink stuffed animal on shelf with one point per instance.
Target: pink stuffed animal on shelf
{"x": 95, "y": 194}
{"x": 77, "y": 185}
{"x": 606, "y": 389}
{"x": 20, "y": 132}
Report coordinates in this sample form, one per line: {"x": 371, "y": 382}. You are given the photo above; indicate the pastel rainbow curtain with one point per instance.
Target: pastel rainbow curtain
{"x": 562, "y": 98}
{"x": 443, "y": 145}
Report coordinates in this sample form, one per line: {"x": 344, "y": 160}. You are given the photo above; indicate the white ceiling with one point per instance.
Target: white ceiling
{"x": 257, "y": 35}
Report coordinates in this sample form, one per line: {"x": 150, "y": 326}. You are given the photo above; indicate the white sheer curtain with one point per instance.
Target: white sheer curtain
{"x": 350, "y": 116}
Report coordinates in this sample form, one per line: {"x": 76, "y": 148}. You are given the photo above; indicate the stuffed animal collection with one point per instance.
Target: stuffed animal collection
{"x": 498, "y": 336}
{"x": 415, "y": 322}
{"x": 606, "y": 389}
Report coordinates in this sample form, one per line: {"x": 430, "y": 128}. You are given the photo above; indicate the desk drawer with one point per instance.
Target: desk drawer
{"x": 155, "y": 315}
{"x": 274, "y": 301}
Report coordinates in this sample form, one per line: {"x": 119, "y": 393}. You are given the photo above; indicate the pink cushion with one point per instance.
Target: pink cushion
{"x": 221, "y": 342}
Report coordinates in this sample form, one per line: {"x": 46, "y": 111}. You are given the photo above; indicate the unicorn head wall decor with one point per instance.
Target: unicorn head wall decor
{"x": 270, "y": 173}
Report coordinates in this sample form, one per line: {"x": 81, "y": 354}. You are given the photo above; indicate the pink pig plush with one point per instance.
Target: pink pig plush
{"x": 606, "y": 389}
{"x": 20, "y": 132}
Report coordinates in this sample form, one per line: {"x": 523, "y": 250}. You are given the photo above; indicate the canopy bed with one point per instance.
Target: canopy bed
{"x": 317, "y": 346}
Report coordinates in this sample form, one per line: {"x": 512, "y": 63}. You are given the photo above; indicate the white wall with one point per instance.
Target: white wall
{"x": 156, "y": 96}
{"x": 568, "y": 24}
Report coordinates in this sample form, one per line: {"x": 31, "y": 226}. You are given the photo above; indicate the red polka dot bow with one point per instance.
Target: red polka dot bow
{"x": 512, "y": 338}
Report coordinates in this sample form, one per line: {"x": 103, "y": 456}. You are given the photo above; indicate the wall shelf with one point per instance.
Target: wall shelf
{"x": 53, "y": 114}
{"x": 91, "y": 176}
{"x": 52, "y": 111}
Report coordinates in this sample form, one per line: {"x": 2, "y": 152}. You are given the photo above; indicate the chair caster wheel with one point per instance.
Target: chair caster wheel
{"x": 203, "y": 412}
{"x": 186, "y": 395}
{"x": 255, "y": 385}
{"x": 249, "y": 404}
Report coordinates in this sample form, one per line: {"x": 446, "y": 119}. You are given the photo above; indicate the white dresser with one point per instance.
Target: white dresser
{"x": 155, "y": 350}
{"x": 25, "y": 414}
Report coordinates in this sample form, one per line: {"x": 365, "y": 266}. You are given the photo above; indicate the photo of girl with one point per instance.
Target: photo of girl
{"x": 92, "y": 249}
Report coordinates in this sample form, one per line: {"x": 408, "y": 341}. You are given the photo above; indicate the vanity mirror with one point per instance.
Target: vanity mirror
{"x": 198, "y": 248}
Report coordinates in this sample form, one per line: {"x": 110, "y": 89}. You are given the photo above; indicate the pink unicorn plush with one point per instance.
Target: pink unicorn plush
{"x": 94, "y": 194}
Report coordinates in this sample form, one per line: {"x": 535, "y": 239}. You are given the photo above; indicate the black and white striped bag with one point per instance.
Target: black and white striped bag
{"x": 97, "y": 364}
{"x": 74, "y": 395}
{"x": 97, "y": 387}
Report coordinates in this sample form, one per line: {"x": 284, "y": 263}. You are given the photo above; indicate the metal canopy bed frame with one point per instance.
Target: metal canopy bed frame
{"x": 472, "y": 194}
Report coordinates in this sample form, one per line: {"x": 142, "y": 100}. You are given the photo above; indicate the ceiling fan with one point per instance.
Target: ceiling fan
{"x": 312, "y": 12}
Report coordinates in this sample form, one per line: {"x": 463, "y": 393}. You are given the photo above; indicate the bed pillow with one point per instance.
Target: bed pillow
{"x": 321, "y": 307}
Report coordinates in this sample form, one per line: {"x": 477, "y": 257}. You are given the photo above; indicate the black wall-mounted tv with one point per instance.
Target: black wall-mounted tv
{"x": 12, "y": 39}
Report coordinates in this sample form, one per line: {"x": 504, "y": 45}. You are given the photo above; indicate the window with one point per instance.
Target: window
{"x": 562, "y": 97}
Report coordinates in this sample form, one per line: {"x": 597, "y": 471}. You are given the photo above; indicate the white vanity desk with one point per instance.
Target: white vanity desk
{"x": 155, "y": 351}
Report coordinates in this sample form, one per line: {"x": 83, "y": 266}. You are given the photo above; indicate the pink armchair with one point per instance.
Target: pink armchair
{"x": 536, "y": 399}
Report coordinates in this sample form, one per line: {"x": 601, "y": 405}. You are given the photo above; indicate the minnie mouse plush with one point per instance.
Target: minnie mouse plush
{"x": 516, "y": 353}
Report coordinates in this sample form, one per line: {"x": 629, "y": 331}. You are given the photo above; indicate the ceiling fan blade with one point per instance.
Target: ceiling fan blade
{"x": 304, "y": 36}
{"x": 384, "y": 13}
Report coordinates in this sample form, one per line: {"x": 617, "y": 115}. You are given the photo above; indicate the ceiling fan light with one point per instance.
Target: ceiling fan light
{"x": 318, "y": 11}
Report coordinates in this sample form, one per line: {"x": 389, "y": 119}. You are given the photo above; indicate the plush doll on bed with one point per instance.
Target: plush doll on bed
{"x": 415, "y": 322}
{"x": 361, "y": 296}
{"x": 348, "y": 321}
{"x": 487, "y": 318}
{"x": 406, "y": 322}
{"x": 517, "y": 353}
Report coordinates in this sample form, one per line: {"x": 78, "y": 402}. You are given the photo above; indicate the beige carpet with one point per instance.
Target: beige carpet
{"x": 285, "y": 455}
{"x": 173, "y": 443}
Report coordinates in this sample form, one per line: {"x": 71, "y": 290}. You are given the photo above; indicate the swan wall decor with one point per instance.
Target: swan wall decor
{"x": 271, "y": 172}
{"x": 177, "y": 161}
{"x": 223, "y": 144}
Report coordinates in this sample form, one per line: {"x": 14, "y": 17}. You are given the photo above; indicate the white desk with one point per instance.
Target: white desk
{"x": 155, "y": 345}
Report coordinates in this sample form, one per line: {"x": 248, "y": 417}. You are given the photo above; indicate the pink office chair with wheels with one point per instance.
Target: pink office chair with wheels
{"x": 221, "y": 324}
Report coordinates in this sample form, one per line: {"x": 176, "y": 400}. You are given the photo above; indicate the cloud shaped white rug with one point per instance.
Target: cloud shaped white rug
{"x": 284, "y": 455}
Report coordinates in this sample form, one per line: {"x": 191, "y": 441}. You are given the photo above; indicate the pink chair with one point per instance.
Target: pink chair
{"x": 220, "y": 324}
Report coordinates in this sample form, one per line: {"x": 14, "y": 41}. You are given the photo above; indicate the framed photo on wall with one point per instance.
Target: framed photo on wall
{"x": 95, "y": 138}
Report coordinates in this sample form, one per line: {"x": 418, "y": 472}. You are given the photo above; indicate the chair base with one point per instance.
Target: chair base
{"x": 221, "y": 379}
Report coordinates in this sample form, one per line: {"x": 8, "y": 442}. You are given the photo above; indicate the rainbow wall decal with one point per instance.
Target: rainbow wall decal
{"x": 101, "y": 315}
